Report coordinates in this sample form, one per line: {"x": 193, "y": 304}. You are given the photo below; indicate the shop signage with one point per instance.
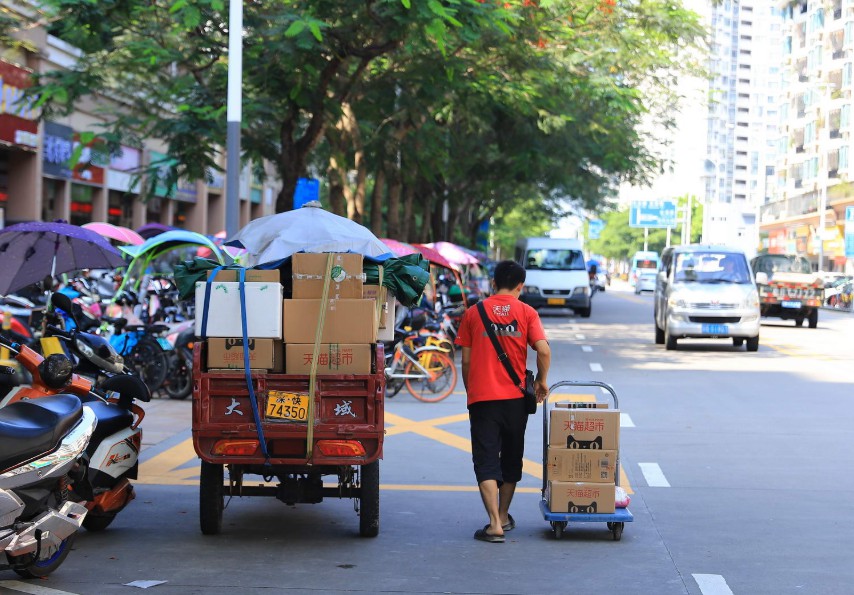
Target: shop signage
{"x": 186, "y": 191}
{"x": 162, "y": 162}
{"x": 57, "y": 151}
{"x": 18, "y": 124}
{"x": 123, "y": 169}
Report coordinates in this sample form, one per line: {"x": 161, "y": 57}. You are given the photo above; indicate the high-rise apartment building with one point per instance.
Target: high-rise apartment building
{"x": 742, "y": 130}
{"x": 806, "y": 212}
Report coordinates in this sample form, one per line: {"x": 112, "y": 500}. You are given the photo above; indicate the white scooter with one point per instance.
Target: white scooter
{"x": 41, "y": 444}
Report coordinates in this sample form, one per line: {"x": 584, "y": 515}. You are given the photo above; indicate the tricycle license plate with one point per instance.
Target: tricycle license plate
{"x": 165, "y": 344}
{"x": 287, "y": 406}
{"x": 790, "y": 304}
{"x": 556, "y": 301}
{"x": 715, "y": 329}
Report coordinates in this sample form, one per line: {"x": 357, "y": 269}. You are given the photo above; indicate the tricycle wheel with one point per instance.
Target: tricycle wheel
{"x": 617, "y": 530}
{"x": 210, "y": 498}
{"x": 369, "y": 500}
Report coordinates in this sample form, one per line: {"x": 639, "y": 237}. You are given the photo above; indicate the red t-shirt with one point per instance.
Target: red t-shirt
{"x": 517, "y": 326}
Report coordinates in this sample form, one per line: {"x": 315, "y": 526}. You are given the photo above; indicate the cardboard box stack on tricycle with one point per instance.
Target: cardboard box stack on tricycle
{"x": 289, "y": 384}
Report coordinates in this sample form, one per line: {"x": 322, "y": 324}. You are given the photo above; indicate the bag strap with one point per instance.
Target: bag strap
{"x": 502, "y": 356}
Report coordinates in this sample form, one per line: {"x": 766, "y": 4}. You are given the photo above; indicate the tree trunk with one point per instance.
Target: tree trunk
{"x": 394, "y": 193}
{"x": 407, "y": 230}
{"x": 377, "y": 202}
{"x": 337, "y": 179}
{"x": 349, "y": 129}
{"x": 426, "y": 219}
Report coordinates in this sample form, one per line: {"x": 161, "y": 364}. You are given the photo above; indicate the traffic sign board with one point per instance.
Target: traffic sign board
{"x": 594, "y": 228}
{"x": 652, "y": 213}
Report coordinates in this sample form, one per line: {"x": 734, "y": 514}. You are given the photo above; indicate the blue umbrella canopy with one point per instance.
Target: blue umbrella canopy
{"x": 31, "y": 251}
{"x": 170, "y": 240}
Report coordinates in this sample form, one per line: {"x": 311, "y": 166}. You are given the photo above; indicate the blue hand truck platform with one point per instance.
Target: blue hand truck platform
{"x": 559, "y": 520}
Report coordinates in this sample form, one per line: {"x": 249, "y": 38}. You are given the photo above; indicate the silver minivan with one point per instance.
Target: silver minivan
{"x": 706, "y": 292}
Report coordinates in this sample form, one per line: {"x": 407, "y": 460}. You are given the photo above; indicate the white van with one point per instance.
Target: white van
{"x": 556, "y": 274}
{"x": 706, "y": 292}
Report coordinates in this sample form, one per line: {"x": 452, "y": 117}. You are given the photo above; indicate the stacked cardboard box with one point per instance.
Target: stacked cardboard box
{"x": 223, "y": 325}
{"x": 581, "y": 463}
{"x": 350, "y": 320}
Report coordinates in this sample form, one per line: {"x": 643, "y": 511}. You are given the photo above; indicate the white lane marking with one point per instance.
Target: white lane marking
{"x": 654, "y": 475}
{"x": 580, "y": 336}
{"x": 31, "y": 588}
{"x": 595, "y": 367}
{"x": 586, "y": 349}
{"x": 626, "y": 421}
{"x": 712, "y": 584}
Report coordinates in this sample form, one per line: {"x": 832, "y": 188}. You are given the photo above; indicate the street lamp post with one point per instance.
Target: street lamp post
{"x": 234, "y": 114}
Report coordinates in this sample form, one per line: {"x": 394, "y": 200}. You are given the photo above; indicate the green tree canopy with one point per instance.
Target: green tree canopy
{"x": 485, "y": 105}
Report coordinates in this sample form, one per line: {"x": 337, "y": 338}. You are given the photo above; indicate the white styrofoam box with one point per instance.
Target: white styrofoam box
{"x": 263, "y": 310}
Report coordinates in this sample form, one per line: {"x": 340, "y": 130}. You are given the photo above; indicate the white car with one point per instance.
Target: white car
{"x": 645, "y": 281}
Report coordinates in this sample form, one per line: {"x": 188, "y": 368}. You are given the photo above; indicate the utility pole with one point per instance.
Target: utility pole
{"x": 234, "y": 115}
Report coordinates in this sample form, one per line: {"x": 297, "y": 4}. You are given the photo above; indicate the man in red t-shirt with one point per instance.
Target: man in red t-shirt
{"x": 496, "y": 407}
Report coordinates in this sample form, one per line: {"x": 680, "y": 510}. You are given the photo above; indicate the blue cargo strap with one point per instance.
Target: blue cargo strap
{"x": 207, "y": 303}
{"x": 241, "y": 275}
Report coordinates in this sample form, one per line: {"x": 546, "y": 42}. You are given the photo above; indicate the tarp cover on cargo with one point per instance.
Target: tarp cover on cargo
{"x": 406, "y": 277}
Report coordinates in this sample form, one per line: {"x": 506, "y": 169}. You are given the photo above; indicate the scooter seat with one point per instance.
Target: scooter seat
{"x": 111, "y": 418}
{"x": 34, "y": 427}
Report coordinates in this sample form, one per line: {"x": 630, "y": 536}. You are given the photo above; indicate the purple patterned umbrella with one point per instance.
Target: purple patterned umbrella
{"x": 149, "y": 230}
{"x": 29, "y": 252}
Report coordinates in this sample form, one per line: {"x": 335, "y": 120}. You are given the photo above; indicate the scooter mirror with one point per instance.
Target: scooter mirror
{"x": 63, "y": 302}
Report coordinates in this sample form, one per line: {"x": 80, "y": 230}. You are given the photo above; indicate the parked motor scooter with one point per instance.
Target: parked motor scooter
{"x": 105, "y": 488}
{"x": 42, "y": 442}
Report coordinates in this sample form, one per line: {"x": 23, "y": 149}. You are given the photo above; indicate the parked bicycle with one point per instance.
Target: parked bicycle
{"x": 428, "y": 372}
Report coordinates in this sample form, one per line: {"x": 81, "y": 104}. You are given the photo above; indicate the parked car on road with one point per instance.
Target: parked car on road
{"x": 706, "y": 292}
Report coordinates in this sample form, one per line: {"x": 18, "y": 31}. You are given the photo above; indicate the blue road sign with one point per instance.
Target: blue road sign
{"x": 652, "y": 213}
{"x": 594, "y": 228}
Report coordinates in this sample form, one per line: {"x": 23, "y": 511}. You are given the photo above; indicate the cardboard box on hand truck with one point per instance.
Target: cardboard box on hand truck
{"x": 585, "y": 428}
{"x": 574, "y": 464}
{"x": 585, "y": 497}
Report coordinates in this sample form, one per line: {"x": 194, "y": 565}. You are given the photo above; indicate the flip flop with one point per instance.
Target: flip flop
{"x": 482, "y": 535}
{"x": 510, "y": 524}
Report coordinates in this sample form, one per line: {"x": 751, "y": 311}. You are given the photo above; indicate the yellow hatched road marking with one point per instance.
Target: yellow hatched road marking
{"x": 179, "y": 464}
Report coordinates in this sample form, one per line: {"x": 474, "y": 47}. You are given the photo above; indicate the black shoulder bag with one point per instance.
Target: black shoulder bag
{"x": 528, "y": 391}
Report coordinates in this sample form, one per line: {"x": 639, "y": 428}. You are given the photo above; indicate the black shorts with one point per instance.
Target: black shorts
{"x": 498, "y": 439}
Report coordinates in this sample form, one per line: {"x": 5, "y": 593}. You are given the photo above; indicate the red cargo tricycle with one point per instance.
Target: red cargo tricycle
{"x": 340, "y": 435}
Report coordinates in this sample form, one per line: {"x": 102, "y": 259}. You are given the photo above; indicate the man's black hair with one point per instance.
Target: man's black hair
{"x": 508, "y": 274}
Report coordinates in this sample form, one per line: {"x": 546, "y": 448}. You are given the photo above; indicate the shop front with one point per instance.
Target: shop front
{"x": 57, "y": 150}
{"x": 19, "y": 141}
